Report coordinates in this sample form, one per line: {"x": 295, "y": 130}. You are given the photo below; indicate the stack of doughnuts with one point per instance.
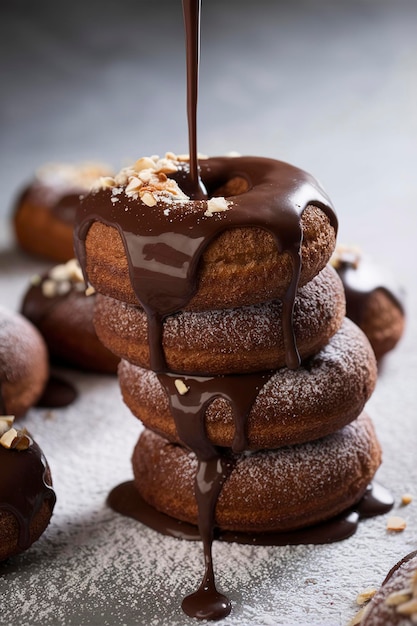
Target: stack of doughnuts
{"x": 235, "y": 351}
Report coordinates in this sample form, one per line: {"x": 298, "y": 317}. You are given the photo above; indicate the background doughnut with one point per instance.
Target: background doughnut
{"x": 24, "y": 368}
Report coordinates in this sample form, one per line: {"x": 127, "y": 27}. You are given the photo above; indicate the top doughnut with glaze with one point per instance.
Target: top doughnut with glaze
{"x": 266, "y": 228}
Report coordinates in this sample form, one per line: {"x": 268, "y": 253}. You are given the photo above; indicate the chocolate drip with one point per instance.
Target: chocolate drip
{"x": 126, "y": 500}
{"x": 189, "y": 409}
{"x": 24, "y": 487}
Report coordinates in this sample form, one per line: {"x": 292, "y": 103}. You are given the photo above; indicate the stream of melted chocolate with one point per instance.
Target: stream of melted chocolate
{"x": 24, "y": 487}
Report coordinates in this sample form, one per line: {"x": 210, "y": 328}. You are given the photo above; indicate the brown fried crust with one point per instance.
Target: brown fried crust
{"x": 39, "y": 232}
{"x": 227, "y": 341}
{"x": 267, "y": 491}
{"x": 328, "y": 391}
{"x": 240, "y": 267}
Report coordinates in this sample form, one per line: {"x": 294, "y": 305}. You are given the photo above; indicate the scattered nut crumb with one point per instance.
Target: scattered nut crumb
{"x": 407, "y": 498}
{"x": 90, "y": 291}
{"x": 181, "y": 387}
{"x": 396, "y": 523}
{"x": 365, "y": 595}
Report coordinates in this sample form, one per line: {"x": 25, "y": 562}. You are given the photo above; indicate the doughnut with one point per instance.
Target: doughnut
{"x": 26, "y": 495}
{"x": 239, "y": 263}
{"x": 266, "y": 491}
{"x": 44, "y": 214}
{"x": 226, "y": 341}
{"x": 396, "y": 601}
{"x": 374, "y": 300}
{"x": 293, "y": 406}
{"x": 24, "y": 368}
{"x": 140, "y": 239}
{"x": 57, "y": 304}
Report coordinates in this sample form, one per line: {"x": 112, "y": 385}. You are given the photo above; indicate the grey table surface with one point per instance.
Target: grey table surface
{"x": 328, "y": 86}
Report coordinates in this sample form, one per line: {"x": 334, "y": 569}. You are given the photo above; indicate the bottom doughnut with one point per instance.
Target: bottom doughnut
{"x": 267, "y": 491}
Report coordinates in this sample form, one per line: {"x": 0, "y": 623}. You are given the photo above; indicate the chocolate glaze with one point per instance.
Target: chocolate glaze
{"x": 24, "y": 487}
{"x": 361, "y": 279}
{"x": 126, "y": 500}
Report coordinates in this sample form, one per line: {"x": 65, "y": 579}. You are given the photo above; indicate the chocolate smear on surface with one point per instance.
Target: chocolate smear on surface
{"x": 58, "y": 393}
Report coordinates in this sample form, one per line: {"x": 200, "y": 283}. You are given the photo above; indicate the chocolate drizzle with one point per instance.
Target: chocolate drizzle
{"x": 24, "y": 487}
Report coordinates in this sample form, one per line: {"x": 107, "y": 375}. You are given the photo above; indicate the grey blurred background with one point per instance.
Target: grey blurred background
{"x": 329, "y": 86}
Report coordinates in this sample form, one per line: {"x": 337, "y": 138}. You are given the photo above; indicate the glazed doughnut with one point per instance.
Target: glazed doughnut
{"x": 293, "y": 406}
{"x": 57, "y": 304}
{"x": 267, "y": 491}
{"x": 45, "y": 211}
{"x": 226, "y": 341}
{"x": 26, "y": 495}
{"x": 223, "y": 249}
{"x": 395, "y": 604}
{"x": 24, "y": 368}
{"x": 374, "y": 300}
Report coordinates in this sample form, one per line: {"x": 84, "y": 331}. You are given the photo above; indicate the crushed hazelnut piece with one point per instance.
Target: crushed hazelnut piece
{"x": 22, "y": 441}
{"x": 36, "y": 280}
{"x": 407, "y": 498}
{"x": 148, "y": 199}
{"x": 216, "y": 205}
{"x": 49, "y": 288}
{"x": 90, "y": 291}
{"x": 396, "y": 523}
{"x": 74, "y": 271}
{"x": 181, "y": 387}
{"x": 133, "y": 186}
{"x": 8, "y": 437}
{"x": 365, "y": 595}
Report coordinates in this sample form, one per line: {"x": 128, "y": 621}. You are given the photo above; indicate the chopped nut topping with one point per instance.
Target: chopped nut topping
{"x": 36, "y": 280}
{"x": 181, "y": 387}
{"x": 90, "y": 291}
{"x": 49, "y": 288}
{"x": 396, "y": 523}
{"x": 8, "y": 437}
{"x": 148, "y": 199}
{"x": 22, "y": 440}
{"x": 216, "y": 205}
{"x": 407, "y": 498}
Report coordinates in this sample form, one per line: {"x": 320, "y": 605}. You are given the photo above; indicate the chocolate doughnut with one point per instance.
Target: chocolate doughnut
{"x": 226, "y": 341}
{"x": 374, "y": 301}
{"x": 395, "y": 604}
{"x": 24, "y": 368}
{"x": 57, "y": 304}
{"x": 266, "y": 491}
{"x": 293, "y": 406}
{"x": 45, "y": 211}
{"x": 141, "y": 239}
{"x": 26, "y": 495}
